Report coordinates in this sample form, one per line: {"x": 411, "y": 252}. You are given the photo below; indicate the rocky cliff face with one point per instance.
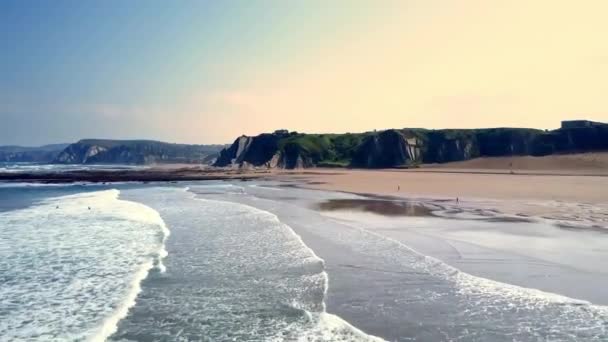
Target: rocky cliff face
{"x": 78, "y": 153}
{"x": 20, "y": 154}
{"x": 575, "y": 139}
{"x": 97, "y": 151}
{"x": 387, "y": 149}
{"x": 405, "y": 147}
{"x": 261, "y": 150}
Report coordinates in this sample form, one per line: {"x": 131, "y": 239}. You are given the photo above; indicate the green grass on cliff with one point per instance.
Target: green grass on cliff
{"x": 330, "y": 150}
{"x": 338, "y": 150}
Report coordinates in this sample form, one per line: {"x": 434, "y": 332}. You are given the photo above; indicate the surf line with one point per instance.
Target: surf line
{"x": 110, "y": 324}
{"x": 323, "y": 317}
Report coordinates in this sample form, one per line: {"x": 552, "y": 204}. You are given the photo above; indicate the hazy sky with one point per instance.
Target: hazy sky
{"x": 208, "y": 71}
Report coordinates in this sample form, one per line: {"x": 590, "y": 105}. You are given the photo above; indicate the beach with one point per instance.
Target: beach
{"x": 427, "y": 269}
{"x": 314, "y": 254}
{"x": 522, "y": 193}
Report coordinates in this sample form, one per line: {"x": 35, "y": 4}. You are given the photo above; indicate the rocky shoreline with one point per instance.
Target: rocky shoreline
{"x": 140, "y": 175}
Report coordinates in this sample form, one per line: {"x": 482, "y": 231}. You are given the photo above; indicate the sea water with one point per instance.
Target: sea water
{"x": 234, "y": 273}
{"x": 96, "y": 264}
{"x": 382, "y": 285}
{"x": 70, "y": 266}
{"x": 215, "y": 261}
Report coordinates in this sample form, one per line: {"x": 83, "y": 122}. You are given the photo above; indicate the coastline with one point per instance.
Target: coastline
{"x": 452, "y": 185}
{"x": 156, "y": 174}
{"x": 571, "y": 195}
{"x": 420, "y": 258}
{"x": 454, "y": 256}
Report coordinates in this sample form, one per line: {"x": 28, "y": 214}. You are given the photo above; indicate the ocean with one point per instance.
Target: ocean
{"x": 262, "y": 261}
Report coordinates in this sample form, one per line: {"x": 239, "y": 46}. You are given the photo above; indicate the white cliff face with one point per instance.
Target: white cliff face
{"x": 412, "y": 146}
{"x": 62, "y": 157}
{"x": 275, "y": 161}
{"x": 243, "y": 145}
{"x": 93, "y": 151}
{"x": 66, "y": 157}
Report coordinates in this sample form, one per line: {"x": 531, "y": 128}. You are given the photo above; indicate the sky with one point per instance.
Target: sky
{"x": 209, "y": 71}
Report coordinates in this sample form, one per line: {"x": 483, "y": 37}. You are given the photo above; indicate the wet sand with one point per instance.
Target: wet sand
{"x": 450, "y": 185}
{"x": 378, "y": 206}
{"x": 573, "y": 197}
{"x": 393, "y": 265}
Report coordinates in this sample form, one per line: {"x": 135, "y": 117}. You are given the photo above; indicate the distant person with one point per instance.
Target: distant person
{"x": 398, "y": 187}
{"x": 457, "y": 200}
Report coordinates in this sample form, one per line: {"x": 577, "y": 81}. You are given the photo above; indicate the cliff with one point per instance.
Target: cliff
{"x": 256, "y": 151}
{"x": 99, "y": 151}
{"x": 387, "y": 149}
{"x": 406, "y": 147}
{"x": 290, "y": 150}
{"x": 21, "y": 154}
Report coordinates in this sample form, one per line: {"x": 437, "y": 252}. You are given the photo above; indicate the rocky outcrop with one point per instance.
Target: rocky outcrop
{"x": 577, "y": 139}
{"x": 235, "y": 154}
{"x": 79, "y": 153}
{"x": 387, "y": 149}
{"x": 98, "y": 151}
{"x": 20, "y": 154}
{"x": 262, "y": 150}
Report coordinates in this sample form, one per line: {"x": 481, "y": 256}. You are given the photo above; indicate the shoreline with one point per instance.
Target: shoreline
{"x": 452, "y": 185}
{"x": 144, "y": 175}
{"x": 359, "y": 252}
{"x": 572, "y": 201}
{"x": 359, "y": 239}
{"x": 172, "y": 173}
{"x": 574, "y": 197}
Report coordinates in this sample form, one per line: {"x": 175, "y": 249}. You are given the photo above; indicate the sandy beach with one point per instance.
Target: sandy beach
{"x": 363, "y": 253}
{"x": 417, "y": 267}
{"x": 454, "y": 184}
{"x": 573, "y": 186}
{"x": 575, "y": 200}
{"x": 567, "y": 194}
{"x": 591, "y": 163}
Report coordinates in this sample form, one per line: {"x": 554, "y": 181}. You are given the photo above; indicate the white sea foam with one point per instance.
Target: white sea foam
{"x": 320, "y": 325}
{"x": 72, "y": 266}
{"x": 32, "y": 167}
{"x": 36, "y": 185}
{"x": 218, "y": 188}
{"x": 266, "y": 187}
{"x": 110, "y": 324}
{"x": 330, "y": 327}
